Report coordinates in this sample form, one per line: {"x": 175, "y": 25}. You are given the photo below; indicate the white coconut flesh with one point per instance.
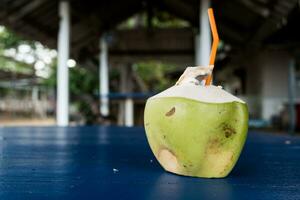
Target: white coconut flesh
{"x": 191, "y": 87}
{"x": 208, "y": 94}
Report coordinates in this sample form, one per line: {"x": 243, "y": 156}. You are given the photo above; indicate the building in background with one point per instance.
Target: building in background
{"x": 115, "y": 43}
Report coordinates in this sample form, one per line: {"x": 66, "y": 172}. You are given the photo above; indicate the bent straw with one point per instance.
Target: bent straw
{"x": 215, "y": 43}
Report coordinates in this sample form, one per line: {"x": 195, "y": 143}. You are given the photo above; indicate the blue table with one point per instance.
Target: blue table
{"x": 116, "y": 163}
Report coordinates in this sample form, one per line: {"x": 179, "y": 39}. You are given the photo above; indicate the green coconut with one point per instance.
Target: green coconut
{"x": 196, "y": 130}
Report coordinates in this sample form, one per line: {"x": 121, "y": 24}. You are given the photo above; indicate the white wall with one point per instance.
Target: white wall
{"x": 275, "y": 79}
{"x": 267, "y": 83}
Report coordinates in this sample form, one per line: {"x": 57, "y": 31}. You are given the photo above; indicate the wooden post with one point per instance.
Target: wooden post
{"x": 62, "y": 110}
{"x": 291, "y": 89}
{"x": 103, "y": 77}
{"x": 203, "y": 40}
{"x": 126, "y": 108}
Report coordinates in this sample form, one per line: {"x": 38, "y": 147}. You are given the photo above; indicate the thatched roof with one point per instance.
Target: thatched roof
{"x": 241, "y": 22}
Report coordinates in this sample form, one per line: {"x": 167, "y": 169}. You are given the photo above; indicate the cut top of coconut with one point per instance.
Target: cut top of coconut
{"x": 209, "y": 94}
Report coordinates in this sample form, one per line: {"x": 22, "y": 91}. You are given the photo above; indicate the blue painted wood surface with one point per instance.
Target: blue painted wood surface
{"x": 78, "y": 163}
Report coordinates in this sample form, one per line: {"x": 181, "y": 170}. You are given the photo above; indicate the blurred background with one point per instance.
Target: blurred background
{"x": 96, "y": 62}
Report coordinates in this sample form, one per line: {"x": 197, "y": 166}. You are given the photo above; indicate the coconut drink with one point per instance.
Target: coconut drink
{"x": 195, "y": 128}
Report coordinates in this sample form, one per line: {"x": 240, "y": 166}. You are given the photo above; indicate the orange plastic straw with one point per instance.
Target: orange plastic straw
{"x": 215, "y": 43}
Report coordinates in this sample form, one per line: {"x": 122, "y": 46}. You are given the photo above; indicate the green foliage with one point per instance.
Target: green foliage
{"x": 160, "y": 19}
{"x": 81, "y": 80}
{"x": 10, "y": 65}
{"x": 83, "y": 86}
{"x": 155, "y": 74}
{"x": 165, "y": 20}
{"x": 8, "y": 39}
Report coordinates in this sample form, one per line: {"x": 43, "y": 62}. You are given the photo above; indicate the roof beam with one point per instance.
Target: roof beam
{"x": 274, "y": 21}
{"x": 262, "y": 11}
{"x": 29, "y": 7}
{"x": 182, "y": 10}
{"x": 231, "y": 33}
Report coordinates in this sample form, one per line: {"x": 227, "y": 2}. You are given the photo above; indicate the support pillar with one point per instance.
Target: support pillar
{"x": 35, "y": 94}
{"x": 126, "y": 108}
{"x": 129, "y": 104}
{"x": 203, "y": 39}
{"x": 103, "y": 77}
{"x": 123, "y": 82}
{"x": 292, "y": 86}
{"x": 35, "y": 97}
{"x": 62, "y": 107}
{"x": 129, "y": 112}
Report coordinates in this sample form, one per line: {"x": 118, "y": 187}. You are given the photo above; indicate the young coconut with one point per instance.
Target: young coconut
{"x": 196, "y": 130}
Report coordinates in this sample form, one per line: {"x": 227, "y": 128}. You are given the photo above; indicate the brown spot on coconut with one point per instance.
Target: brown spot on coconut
{"x": 228, "y": 130}
{"x": 170, "y": 112}
{"x": 213, "y": 146}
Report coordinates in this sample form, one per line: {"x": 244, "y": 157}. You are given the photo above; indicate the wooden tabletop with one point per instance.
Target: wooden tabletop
{"x": 116, "y": 163}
